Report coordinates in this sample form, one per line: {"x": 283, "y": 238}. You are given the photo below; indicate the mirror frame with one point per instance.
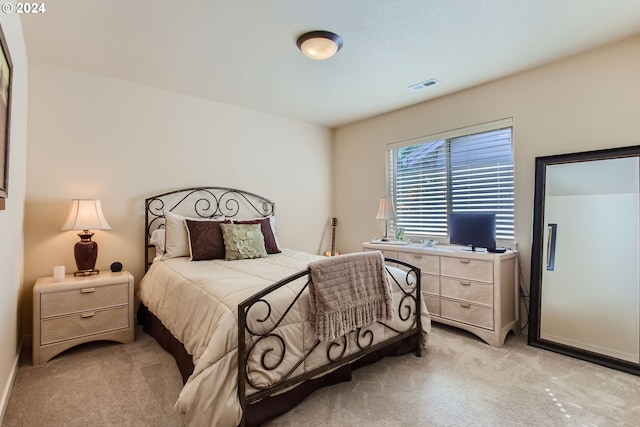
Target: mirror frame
{"x": 537, "y": 257}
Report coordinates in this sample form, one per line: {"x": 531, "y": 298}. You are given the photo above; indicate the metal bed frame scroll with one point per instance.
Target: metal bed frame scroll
{"x": 201, "y": 202}
{"x": 257, "y": 349}
{"x": 261, "y": 346}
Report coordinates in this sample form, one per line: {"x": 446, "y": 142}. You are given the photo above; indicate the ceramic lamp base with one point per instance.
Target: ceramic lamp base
{"x": 86, "y": 253}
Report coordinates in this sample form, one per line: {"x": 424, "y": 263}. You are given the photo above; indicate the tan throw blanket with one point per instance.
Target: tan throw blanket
{"x": 347, "y": 292}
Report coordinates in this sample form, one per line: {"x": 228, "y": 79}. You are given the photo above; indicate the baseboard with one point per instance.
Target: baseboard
{"x": 12, "y": 378}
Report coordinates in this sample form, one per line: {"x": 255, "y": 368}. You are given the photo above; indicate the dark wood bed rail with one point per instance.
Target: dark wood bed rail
{"x": 407, "y": 310}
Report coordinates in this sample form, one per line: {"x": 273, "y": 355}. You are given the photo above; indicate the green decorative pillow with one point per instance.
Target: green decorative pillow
{"x": 270, "y": 242}
{"x": 243, "y": 241}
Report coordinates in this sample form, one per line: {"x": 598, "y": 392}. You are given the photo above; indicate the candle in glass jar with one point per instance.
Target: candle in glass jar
{"x": 58, "y": 273}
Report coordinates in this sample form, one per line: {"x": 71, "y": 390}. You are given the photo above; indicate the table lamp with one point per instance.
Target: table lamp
{"x": 386, "y": 212}
{"x": 86, "y": 214}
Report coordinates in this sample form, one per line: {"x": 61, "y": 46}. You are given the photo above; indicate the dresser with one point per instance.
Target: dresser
{"x": 79, "y": 310}
{"x": 473, "y": 291}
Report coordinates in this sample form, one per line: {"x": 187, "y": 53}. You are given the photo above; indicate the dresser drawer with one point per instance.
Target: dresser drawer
{"x": 86, "y": 298}
{"x": 426, "y": 263}
{"x": 386, "y": 253}
{"x": 430, "y": 284}
{"x": 83, "y": 324}
{"x": 433, "y": 304}
{"x": 472, "y": 314}
{"x": 481, "y": 293}
{"x": 465, "y": 268}
{"x": 390, "y": 254}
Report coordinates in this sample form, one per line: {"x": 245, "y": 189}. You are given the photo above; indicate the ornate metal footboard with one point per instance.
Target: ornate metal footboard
{"x": 262, "y": 347}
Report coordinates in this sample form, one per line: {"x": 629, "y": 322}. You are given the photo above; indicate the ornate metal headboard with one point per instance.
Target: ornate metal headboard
{"x": 201, "y": 202}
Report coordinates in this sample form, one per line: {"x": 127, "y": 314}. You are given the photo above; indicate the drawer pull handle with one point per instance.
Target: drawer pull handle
{"x": 88, "y": 314}
{"x": 87, "y": 290}
{"x": 465, "y": 305}
{"x": 465, "y": 260}
{"x": 465, "y": 283}
{"x": 417, "y": 256}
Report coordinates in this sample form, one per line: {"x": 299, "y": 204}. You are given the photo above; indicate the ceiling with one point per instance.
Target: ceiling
{"x": 244, "y": 52}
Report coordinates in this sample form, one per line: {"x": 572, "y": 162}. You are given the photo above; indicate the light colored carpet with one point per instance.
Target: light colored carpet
{"x": 460, "y": 381}
{"x": 98, "y": 384}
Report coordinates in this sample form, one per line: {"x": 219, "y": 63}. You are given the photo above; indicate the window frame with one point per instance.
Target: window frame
{"x": 445, "y": 136}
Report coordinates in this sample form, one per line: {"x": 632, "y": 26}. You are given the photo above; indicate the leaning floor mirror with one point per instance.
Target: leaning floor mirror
{"x": 585, "y": 284}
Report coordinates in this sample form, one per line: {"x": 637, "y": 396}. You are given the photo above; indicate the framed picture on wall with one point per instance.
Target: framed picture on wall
{"x": 6, "y": 69}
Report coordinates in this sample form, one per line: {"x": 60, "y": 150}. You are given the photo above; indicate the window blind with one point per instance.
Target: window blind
{"x": 469, "y": 173}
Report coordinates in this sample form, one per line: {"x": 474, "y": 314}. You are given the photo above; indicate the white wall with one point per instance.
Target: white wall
{"x": 11, "y": 217}
{"x": 96, "y": 137}
{"x": 582, "y": 103}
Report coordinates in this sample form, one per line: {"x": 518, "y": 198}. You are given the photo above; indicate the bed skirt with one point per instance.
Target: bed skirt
{"x": 271, "y": 407}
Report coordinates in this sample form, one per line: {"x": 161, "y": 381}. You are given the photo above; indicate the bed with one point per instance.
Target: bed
{"x": 233, "y": 306}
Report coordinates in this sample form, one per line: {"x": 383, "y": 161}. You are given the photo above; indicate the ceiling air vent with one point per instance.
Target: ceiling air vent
{"x": 420, "y": 86}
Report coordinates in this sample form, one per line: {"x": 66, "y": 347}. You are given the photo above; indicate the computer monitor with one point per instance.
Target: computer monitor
{"x": 473, "y": 229}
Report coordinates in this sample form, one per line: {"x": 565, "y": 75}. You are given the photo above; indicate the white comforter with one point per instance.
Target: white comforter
{"x": 197, "y": 302}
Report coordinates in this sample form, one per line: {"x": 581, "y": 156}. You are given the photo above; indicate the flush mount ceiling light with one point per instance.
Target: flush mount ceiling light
{"x": 319, "y": 44}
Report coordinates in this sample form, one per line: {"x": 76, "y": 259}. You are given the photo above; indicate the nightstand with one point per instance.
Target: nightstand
{"x": 79, "y": 310}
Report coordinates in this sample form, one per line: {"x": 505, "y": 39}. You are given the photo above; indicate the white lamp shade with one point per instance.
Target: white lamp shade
{"x": 86, "y": 214}
{"x": 386, "y": 210}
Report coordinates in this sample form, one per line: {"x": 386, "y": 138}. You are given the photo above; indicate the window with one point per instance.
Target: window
{"x": 461, "y": 171}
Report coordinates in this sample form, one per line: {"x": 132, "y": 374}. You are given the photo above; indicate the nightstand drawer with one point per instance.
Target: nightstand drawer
{"x": 481, "y": 293}
{"x": 465, "y": 268}
{"x": 83, "y": 299}
{"x": 472, "y": 314}
{"x": 83, "y": 324}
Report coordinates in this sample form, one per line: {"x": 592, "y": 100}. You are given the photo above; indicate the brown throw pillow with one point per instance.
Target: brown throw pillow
{"x": 205, "y": 240}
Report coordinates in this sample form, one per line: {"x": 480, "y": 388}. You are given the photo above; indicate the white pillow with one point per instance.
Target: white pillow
{"x": 176, "y": 237}
{"x": 157, "y": 239}
{"x": 272, "y": 221}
